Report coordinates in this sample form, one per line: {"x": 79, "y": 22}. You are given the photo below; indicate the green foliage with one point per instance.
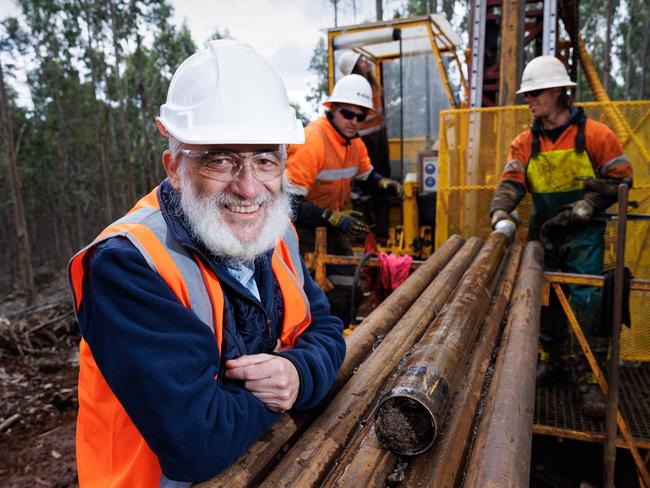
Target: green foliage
{"x": 218, "y": 34}
{"x": 318, "y": 66}
{"x": 133, "y": 47}
{"x": 299, "y": 113}
{"x": 629, "y": 58}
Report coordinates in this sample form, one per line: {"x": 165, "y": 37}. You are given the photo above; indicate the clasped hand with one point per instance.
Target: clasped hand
{"x": 272, "y": 379}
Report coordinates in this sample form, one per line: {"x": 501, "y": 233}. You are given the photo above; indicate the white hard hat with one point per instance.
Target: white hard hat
{"x": 352, "y": 89}
{"x": 227, "y": 94}
{"x": 348, "y": 61}
{"x": 544, "y": 72}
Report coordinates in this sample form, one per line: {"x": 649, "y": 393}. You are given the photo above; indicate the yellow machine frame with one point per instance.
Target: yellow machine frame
{"x": 427, "y": 33}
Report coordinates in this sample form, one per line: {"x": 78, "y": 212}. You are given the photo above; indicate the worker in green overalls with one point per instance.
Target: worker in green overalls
{"x": 572, "y": 166}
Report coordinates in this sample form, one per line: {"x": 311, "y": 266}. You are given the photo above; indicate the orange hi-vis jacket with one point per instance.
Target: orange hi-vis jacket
{"x": 323, "y": 167}
{"x": 110, "y": 449}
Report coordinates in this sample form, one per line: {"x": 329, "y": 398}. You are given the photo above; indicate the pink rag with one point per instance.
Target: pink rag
{"x": 393, "y": 270}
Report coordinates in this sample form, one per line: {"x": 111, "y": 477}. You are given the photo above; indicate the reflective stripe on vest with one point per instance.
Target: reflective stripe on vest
{"x": 103, "y": 426}
{"x": 338, "y": 165}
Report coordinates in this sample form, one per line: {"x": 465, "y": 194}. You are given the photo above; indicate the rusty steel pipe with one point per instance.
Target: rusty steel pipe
{"x": 366, "y": 463}
{"x": 309, "y": 460}
{"x": 251, "y": 465}
{"x": 502, "y": 449}
{"x": 408, "y": 418}
{"x": 441, "y": 466}
{"x": 384, "y": 317}
{"x": 609, "y": 450}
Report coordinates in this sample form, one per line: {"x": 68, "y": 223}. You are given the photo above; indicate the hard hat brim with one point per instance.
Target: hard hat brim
{"x": 542, "y": 86}
{"x": 329, "y": 102}
{"x": 238, "y": 135}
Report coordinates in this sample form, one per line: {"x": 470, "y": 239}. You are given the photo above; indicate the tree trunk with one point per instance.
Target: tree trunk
{"x": 62, "y": 200}
{"x": 629, "y": 54}
{"x": 124, "y": 121}
{"x": 99, "y": 126}
{"x": 379, "y": 7}
{"x": 148, "y": 164}
{"x": 644, "y": 51}
{"x": 607, "y": 55}
{"x": 24, "y": 251}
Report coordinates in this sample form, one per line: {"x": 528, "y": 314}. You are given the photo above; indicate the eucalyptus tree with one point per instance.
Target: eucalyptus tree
{"x": 10, "y": 43}
{"x": 122, "y": 27}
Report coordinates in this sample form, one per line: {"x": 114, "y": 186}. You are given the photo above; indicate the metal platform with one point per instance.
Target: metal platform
{"x": 557, "y": 412}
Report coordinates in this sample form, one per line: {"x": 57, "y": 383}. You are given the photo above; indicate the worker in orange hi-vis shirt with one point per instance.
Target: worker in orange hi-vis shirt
{"x": 321, "y": 171}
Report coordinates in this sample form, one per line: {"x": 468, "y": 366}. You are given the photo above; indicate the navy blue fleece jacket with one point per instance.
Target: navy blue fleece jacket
{"x": 160, "y": 360}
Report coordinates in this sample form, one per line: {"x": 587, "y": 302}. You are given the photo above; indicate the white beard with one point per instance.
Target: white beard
{"x": 202, "y": 214}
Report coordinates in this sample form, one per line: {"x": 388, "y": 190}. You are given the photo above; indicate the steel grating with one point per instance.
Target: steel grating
{"x": 557, "y": 411}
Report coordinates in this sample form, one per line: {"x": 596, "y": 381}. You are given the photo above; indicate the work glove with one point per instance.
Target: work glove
{"x": 604, "y": 187}
{"x": 553, "y": 227}
{"x": 388, "y": 183}
{"x": 497, "y": 216}
{"x": 581, "y": 211}
{"x": 348, "y": 222}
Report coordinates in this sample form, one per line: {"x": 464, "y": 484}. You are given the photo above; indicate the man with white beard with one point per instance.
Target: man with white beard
{"x": 200, "y": 323}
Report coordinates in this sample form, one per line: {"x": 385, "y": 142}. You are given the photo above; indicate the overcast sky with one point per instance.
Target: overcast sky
{"x": 283, "y": 31}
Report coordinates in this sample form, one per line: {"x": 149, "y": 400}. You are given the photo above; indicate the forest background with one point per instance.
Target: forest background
{"x": 86, "y": 147}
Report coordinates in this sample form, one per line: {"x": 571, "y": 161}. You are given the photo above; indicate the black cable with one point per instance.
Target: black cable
{"x": 354, "y": 307}
{"x": 397, "y": 35}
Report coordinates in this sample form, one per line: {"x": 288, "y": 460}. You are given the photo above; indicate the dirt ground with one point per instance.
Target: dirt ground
{"x": 38, "y": 389}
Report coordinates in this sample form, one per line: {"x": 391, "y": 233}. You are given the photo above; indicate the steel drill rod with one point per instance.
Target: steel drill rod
{"x": 408, "y": 418}
{"x": 609, "y": 451}
{"x": 382, "y": 319}
{"x": 441, "y": 465}
{"x": 309, "y": 460}
{"x": 252, "y": 464}
{"x": 366, "y": 463}
{"x": 502, "y": 448}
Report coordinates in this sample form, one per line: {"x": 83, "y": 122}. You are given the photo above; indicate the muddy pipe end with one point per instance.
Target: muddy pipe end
{"x": 405, "y": 424}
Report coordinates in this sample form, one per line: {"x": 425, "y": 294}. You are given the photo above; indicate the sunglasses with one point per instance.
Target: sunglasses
{"x": 534, "y": 93}
{"x": 349, "y": 115}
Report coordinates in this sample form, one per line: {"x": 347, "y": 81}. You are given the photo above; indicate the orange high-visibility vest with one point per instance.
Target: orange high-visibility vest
{"x": 110, "y": 450}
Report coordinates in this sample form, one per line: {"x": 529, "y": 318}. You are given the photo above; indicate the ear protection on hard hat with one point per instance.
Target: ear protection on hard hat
{"x": 228, "y": 94}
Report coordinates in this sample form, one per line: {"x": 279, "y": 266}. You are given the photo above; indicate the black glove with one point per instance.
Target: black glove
{"x": 581, "y": 211}
{"x": 553, "y": 226}
{"x": 348, "y": 222}
{"x": 387, "y": 183}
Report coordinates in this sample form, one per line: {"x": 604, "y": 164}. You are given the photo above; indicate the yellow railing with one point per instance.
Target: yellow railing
{"x": 473, "y": 149}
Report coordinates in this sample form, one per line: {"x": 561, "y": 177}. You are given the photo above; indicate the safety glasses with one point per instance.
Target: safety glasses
{"x": 534, "y": 93}
{"x": 349, "y": 115}
{"x": 225, "y": 166}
